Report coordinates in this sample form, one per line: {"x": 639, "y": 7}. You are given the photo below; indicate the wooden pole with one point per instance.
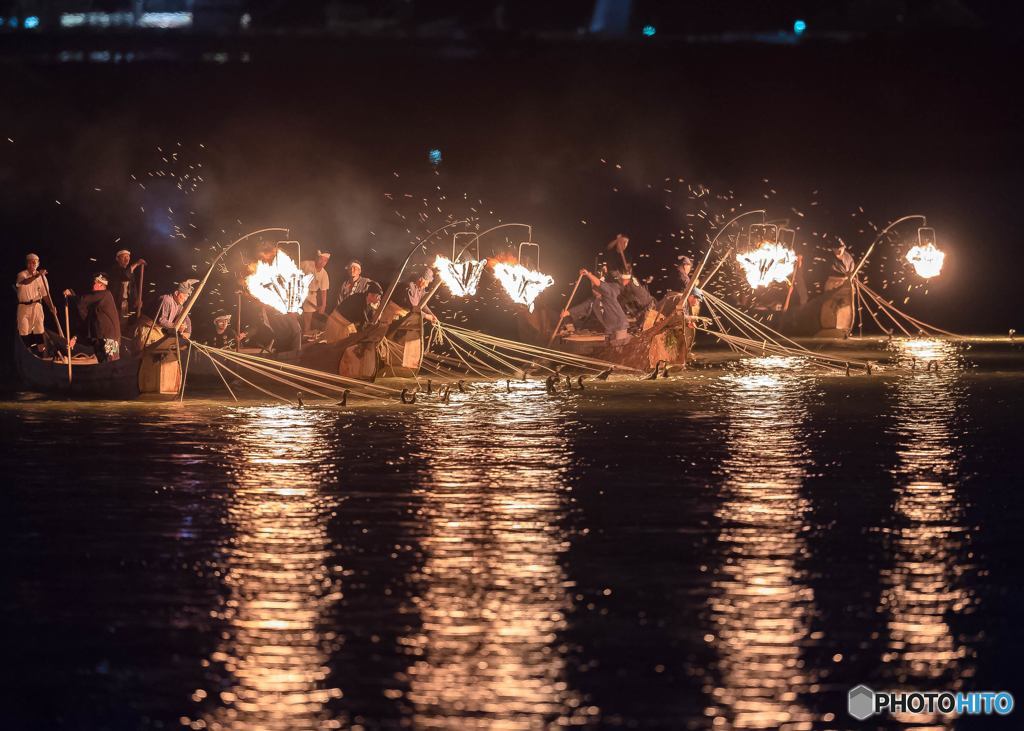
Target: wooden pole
{"x": 238, "y": 324}
{"x": 53, "y": 308}
{"x": 567, "y": 303}
{"x": 138, "y": 290}
{"x": 67, "y": 340}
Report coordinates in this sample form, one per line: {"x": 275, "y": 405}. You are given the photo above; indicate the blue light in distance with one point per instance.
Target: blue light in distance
{"x": 31, "y": 22}
{"x": 799, "y": 26}
{"x": 649, "y": 30}
{"x": 434, "y": 156}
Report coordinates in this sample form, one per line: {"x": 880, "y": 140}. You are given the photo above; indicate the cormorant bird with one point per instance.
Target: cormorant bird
{"x": 664, "y": 373}
{"x": 411, "y": 399}
{"x": 462, "y": 386}
{"x": 653, "y": 374}
{"x": 299, "y": 397}
{"x": 580, "y": 382}
{"x": 447, "y": 393}
{"x": 568, "y": 383}
{"x": 549, "y": 384}
{"x": 847, "y": 369}
{"x": 344, "y": 398}
{"x": 430, "y": 387}
{"x": 508, "y": 386}
{"x": 603, "y": 375}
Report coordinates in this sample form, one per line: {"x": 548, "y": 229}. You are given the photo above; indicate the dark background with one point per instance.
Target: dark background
{"x": 320, "y": 117}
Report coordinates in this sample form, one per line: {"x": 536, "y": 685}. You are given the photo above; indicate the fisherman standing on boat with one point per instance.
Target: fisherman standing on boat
{"x": 32, "y": 290}
{"x": 102, "y": 321}
{"x": 842, "y": 266}
{"x": 316, "y": 299}
{"x": 605, "y": 307}
{"x": 122, "y": 282}
{"x": 672, "y": 302}
{"x": 354, "y": 284}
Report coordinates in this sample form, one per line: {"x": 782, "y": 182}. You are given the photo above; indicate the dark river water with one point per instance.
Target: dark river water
{"x": 732, "y": 549}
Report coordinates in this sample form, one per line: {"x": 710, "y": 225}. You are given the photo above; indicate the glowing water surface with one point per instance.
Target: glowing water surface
{"x": 734, "y": 548}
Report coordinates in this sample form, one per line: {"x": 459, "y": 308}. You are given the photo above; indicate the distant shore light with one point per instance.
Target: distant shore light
{"x": 31, "y": 22}
{"x": 434, "y": 156}
{"x": 649, "y": 30}
{"x": 799, "y": 26}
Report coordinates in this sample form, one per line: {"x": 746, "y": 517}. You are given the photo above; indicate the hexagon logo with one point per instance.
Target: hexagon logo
{"x": 860, "y": 703}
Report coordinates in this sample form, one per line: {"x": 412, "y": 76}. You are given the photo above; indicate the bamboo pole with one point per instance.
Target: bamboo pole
{"x": 67, "y": 339}
{"x": 138, "y": 289}
{"x": 53, "y": 308}
{"x": 567, "y": 303}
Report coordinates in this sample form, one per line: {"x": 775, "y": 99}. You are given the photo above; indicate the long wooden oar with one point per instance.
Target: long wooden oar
{"x": 67, "y": 340}
{"x": 53, "y": 308}
{"x": 562, "y": 317}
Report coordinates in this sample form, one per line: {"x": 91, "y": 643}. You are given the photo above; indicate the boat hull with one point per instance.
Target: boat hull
{"x": 116, "y": 380}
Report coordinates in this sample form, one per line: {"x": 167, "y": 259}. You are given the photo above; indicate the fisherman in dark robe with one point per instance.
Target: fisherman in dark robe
{"x": 672, "y": 302}
{"x": 604, "y": 307}
{"x": 123, "y": 284}
{"x": 102, "y": 321}
{"x": 360, "y": 309}
{"x": 223, "y": 335}
{"x": 634, "y": 298}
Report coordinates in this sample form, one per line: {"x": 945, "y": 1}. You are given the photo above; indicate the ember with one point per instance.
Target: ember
{"x": 770, "y": 262}
{"x": 279, "y": 284}
{"x": 461, "y": 277}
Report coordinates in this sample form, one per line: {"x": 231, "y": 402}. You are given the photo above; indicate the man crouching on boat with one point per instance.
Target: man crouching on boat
{"x": 605, "y": 307}
{"x": 169, "y": 307}
{"x": 102, "y": 320}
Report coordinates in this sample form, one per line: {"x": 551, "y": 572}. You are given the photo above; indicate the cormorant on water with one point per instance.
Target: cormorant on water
{"x": 462, "y": 386}
{"x": 580, "y": 382}
{"x": 654, "y": 374}
{"x": 430, "y": 387}
{"x": 550, "y": 383}
{"x": 568, "y": 383}
{"x": 299, "y": 397}
{"x": 344, "y": 398}
{"x": 411, "y": 399}
{"x": 603, "y": 375}
{"x": 664, "y": 373}
{"x": 508, "y": 386}
{"x": 447, "y": 393}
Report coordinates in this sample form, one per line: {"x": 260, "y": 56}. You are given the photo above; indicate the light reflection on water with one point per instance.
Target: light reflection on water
{"x": 490, "y": 496}
{"x": 493, "y": 594}
{"x": 926, "y": 586}
{"x": 275, "y": 649}
{"x": 761, "y": 605}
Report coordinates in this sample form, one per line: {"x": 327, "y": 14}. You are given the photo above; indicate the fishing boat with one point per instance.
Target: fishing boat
{"x": 87, "y": 378}
{"x": 669, "y": 340}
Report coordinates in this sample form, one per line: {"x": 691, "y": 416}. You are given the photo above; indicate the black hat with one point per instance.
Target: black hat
{"x": 374, "y": 288}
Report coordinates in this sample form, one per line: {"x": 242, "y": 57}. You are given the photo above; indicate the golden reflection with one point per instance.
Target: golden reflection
{"x": 272, "y": 661}
{"x": 494, "y": 596}
{"x": 924, "y": 588}
{"x": 761, "y": 604}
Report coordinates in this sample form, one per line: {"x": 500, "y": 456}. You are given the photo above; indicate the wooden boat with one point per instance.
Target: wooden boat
{"x": 826, "y": 315}
{"x": 669, "y": 339}
{"x": 118, "y": 379}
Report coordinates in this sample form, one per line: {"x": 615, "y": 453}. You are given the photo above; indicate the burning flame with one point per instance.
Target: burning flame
{"x": 461, "y": 277}
{"x": 280, "y": 284}
{"x": 522, "y": 284}
{"x": 927, "y": 260}
{"x": 770, "y": 262}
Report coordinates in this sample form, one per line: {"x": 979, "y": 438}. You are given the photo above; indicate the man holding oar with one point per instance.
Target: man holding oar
{"x": 32, "y": 292}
